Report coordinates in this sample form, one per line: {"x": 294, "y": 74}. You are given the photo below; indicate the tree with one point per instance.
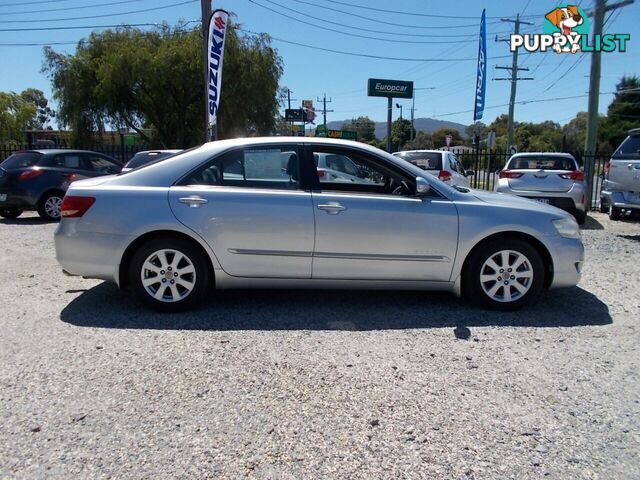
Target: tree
{"x": 44, "y": 114}
{"x": 623, "y": 113}
{"x": 16, "y": 115}
{"x": 400, "y": 133}
{"x": 440, "y": 140}
{"x": 422, "y": 141}
{"x": 151, "y": 82}
{"x": 363, "y": 126}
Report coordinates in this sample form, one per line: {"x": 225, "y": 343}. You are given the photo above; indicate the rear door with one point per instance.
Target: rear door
{"x": 249, "y": 206}
{"x": 624, "y": 170}
{"x": 542, "y": 173}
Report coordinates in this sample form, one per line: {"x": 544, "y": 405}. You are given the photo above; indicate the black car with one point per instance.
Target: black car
{"x": 146, "y": 157}
{"x": 38, "y": 179}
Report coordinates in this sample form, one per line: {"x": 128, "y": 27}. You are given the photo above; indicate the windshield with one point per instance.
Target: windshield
{"x": 21, "y": 160}
{"x": 630, "y": 147}
{"x": 423, "y": 160}
{"x": 541, "y": 163}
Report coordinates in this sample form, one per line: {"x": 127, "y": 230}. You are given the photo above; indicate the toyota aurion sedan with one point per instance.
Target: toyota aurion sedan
{"x": 254, "y": 213}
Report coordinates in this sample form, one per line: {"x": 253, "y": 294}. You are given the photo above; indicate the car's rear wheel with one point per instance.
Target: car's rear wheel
{"x": 614, "y": 213}
{"x": 504, "y": 274}
{"x": 10, "y": 212}
{"x": 49, "y": 206}
{"x": 169, "y": 274}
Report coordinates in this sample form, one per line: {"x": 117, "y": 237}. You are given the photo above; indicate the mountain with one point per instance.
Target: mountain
{"x": 428, "y": 125}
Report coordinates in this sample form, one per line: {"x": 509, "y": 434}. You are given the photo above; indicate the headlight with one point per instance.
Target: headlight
{"x": 567, "y": 227}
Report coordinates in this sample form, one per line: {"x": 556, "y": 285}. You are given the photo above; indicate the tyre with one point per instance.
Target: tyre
{"x": 169, "y": 274}
{"x": 49, "y": 206}
{"x": 603, "y": 206}
{"x": 581, "y": 217}
{"x": 10, "y": 212}
{"x": 503, "y": 274}
{"x": 614, "y": 213}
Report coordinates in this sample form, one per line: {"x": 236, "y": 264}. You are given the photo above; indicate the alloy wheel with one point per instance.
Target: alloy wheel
{"x": 506, "y": 276}
{"x": 168, "y": 275}
{"x": 52, "y": 206}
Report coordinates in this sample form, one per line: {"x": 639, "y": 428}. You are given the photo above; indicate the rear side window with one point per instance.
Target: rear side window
{"x": 542, "y": 163}
{"x": 143, "y": 158}
{"x": 259, "y": 167}
{"x": 21, "y": 160}
{"x": 103, "y": 164}
{"x": 630, "y": 147}
{"x": 424, "y": 160}
{"x": 69, "y": 160}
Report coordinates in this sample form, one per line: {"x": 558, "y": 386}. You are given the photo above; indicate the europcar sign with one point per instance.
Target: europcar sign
{"x": 389, "y": 88}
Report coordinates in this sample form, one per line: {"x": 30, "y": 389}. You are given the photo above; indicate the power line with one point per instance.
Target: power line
{"x": 100, "y": 16}
{"x": 73, "y": 8}
{"x": 386, "y": 22}
{"x": 31, "y": 3}
{"x": 364, "y": 55}
{"x": 84, "y": 27}
{"x": 399, "y": 12}
{"x": 348, "y": 33}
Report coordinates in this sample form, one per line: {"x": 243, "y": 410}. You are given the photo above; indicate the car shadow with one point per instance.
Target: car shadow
{"x": 105, "y": 306}
{"x": 631, "y": 237}
{"x": 25, "y": 221}
{"x": 591, "y": 223}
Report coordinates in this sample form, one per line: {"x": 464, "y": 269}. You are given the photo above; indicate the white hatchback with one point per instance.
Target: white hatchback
{"x": 439, "y": 163}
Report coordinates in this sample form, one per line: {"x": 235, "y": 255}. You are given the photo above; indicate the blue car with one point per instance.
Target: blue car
{"x": 38, "y": 179}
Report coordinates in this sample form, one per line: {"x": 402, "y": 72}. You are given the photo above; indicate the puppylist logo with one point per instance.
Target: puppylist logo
{"x": 566, "y": 30}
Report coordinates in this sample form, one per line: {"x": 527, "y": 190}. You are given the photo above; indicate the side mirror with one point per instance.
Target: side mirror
{"x": 422, "y": 187}
{"x": 470, "y": 173}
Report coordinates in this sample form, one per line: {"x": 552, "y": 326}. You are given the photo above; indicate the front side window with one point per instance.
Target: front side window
{"x": 357, "y": 172}
{"x": 253, "y": 167}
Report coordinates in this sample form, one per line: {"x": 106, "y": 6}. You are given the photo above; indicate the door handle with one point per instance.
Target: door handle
{"x": 193, "y": 201}
{"x": 332, "y": 208}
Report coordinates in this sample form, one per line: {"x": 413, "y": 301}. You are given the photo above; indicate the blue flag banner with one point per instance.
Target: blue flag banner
{"x": 481, "y": 82}
{"x": 217, "y": 30}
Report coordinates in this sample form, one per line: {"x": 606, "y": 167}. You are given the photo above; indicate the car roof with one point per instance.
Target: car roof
{"x": 159, "y": 151}
{"x": 421, "y": 151}
{"x": 543, "y": 154}
{"x": 53, "y": 151}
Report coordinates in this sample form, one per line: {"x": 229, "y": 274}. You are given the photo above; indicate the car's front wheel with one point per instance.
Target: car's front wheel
{"x": 10, "y": 213}
{"x": 503, "y": 274}
{"x": 49, "y": 206}
{"x": 169, "y": 274}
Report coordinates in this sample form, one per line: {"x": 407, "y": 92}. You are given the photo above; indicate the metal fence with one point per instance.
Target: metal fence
{"x": 123, "y": 153}
{"x": 485, "y": 162}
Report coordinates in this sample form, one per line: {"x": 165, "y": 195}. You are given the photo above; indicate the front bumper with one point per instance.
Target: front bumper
{"x": 620, "y": 199}
{"x": 568, "y": 257}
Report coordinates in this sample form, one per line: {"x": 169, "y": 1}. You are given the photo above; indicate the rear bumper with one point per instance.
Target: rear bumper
{"x": 91, "y": 255}
{"x": 571, "y": 201}
{"x": 18, "y": 199}
{"x": 618, "y": 200}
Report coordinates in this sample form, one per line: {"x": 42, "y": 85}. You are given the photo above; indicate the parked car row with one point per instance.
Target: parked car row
{"x": 621, "y": 185}
{"x": 38, "y": 179}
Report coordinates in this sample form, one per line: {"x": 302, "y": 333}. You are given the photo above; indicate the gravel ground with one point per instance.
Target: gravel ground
{"x": 296, "y": 385}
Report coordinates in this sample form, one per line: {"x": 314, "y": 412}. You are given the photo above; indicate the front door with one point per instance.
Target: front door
{"x": 375, "y": 228}
{"x": 249, "y": 207}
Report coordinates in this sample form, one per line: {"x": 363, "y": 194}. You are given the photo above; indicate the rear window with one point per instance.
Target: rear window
{"x": 542, "y": 163}
{"x": 630, "y": 147}
{"x": 423, "y": 160}
{"x": 143, "y": 158}
{"x": 21, "y": 160}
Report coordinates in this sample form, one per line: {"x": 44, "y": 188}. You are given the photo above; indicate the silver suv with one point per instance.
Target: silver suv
{"x": 621, "y": 186}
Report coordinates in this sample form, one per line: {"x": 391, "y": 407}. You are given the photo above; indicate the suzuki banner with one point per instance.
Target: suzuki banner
{"x": 481, "y": 82}
{"x": 217, "y": 30}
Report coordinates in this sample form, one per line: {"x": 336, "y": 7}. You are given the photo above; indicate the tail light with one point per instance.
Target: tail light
{"x": 28, "y": 174}
{"x": 510, "y": 174}
{"x": 444, "y": 175}
{"x": 74, "y": 207}
{"x": 73, "y": 177}
{"x": 576, "y": 175}
{"x": 320, "y": 173}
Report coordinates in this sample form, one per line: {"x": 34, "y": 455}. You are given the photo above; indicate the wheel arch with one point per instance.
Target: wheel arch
{"x": 48, "y": 191}
{"x": 125, "y": 261}
{"x": 533, "y": 241}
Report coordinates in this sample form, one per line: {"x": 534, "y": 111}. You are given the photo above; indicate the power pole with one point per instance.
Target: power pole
{"x": 205, "y": 6}
{"x": 590, "y": 143}
{"x": 289, "y": 107}
{"x": 514, "y": 77}
{"x": 324, "y": 107}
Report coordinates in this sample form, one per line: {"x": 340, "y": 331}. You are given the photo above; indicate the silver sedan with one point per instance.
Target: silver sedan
{"x": 254, "y": 213}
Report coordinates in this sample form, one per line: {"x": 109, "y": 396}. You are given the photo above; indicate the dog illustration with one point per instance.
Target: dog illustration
{"x": 565, "y": 19}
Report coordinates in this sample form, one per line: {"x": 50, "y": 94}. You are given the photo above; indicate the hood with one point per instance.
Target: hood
{"x": 506, "y": 200}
